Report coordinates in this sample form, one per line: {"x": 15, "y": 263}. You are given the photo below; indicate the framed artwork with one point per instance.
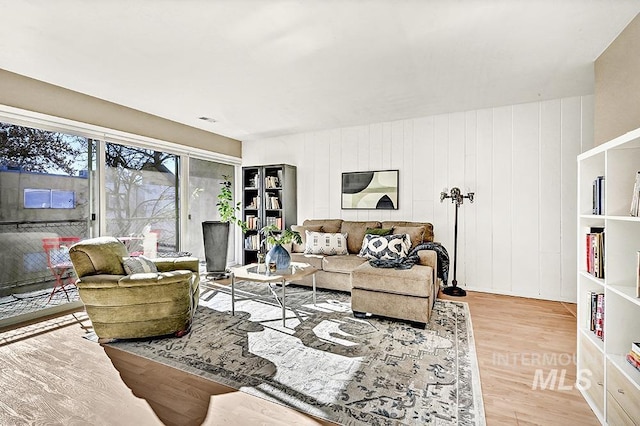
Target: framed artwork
{"x": 376, "y": 190}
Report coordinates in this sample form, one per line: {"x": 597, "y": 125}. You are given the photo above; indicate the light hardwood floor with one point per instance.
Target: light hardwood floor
{"x": 51, "y": 375}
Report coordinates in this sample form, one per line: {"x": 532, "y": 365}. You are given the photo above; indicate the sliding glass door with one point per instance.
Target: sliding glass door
{"x": 141, "y": 205}
{"x": 205, "y": 179}
{"x": 44, "y": 208}
{"x": 57, "y": 188}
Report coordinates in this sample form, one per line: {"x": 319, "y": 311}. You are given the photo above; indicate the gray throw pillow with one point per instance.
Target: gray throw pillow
{"x": 138, "y": 264}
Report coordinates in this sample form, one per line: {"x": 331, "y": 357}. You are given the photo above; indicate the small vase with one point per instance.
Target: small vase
{"x": 280, "y": 256}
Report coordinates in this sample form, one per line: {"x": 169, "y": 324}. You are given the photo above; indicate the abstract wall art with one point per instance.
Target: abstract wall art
{"x": 376, "y": 190}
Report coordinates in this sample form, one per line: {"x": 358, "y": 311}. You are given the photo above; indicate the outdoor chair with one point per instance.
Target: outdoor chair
{"x": 57, "y": 252}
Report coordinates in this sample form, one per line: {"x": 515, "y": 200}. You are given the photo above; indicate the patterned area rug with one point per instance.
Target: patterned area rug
{"x": 327, "y": 363}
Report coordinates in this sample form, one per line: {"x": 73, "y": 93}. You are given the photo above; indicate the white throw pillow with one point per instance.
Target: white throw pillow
{"x": 388, "y": 247}
{"x": 325, "y": 243}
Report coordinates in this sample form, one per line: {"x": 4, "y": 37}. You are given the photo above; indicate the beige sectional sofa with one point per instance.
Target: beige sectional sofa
{"x": 407, "y": 294}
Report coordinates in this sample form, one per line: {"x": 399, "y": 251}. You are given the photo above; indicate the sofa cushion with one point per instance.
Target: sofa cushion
{"x": 314, "y": 260}
{"x": 416, "y": 233}
{"x": 299, "y": 248}
{"x": 328, "y": 225}
{"x": 356, "y": 232}
{"x": 391, "y": 247}
{"x": 326, "y": 243}
{"x": 428, "y": 233}
{"x": 416, "y": 281}
{"x": 343, "y": 264}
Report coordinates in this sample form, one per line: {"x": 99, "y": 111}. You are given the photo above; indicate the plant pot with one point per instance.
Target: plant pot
{"x": 216, "y": 243}
{"x": 280, "y": 256}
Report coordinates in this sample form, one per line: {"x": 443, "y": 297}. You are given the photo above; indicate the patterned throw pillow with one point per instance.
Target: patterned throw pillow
{"x": 138, "y": 264}
{"x": 388, "y": 247}
{"x": 326, "y": 243}
{"x": 299, "y": 248}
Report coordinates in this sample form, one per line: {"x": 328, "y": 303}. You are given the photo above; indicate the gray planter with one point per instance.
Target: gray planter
{"x": 216, "y": 243}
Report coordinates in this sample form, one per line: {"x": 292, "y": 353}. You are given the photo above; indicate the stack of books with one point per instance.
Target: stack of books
{"x": 633, "y": 357}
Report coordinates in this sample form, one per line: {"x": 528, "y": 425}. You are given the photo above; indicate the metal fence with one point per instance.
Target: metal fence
{"x": 23, "y": 260}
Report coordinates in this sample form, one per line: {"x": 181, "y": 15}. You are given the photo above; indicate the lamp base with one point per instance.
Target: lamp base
{"x": 454, "y": 291}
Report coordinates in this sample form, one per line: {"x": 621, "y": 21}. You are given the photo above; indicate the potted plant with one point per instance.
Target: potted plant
{"x": 276, "y": 238}
{"x": 216, "y": 233}
{"x": 225, "y": 205}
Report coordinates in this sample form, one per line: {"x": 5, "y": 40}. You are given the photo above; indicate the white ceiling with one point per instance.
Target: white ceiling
{"x": 266, "y": 68}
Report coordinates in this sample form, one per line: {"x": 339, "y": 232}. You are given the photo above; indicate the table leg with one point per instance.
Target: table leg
{"x": 284, "y": 324}
{"x": 233, "y": 294}
{"x": 314, "y": 288}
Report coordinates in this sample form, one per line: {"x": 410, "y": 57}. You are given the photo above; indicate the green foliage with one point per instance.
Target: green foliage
{"x": 225, "y": 205}
{"x": 274, "y": 237}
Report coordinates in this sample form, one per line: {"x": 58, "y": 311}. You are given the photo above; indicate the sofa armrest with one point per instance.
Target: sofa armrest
{"x": 429, "y": 258}
{"x": 98, "y": 281}
{"x": 166, "y": 264}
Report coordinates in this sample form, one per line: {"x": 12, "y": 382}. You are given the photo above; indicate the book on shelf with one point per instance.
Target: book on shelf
{"x": 600, "y": 316}
{"x": 635, "y": 348}
{"x": 591, "y": 318}
{"x": 598, "y": 196}
{"x": 595, "y": 314}
{"x": 252, "y": 242}
{"x": 252, "y": 181}
{"x": 252, "y": 221}
{"x": 277, "y": 221}
{"x": 594, "y": 250}
{"x": 272, "y": 182}
{"x": 635, "y": 199}
{"x": 633, "y": 360}
{"x": 254, "y": 204}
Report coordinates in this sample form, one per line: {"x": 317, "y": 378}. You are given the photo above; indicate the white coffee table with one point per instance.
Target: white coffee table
{"x": 251, "y": 273}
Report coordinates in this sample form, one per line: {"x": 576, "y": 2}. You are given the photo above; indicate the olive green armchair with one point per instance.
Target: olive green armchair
{"x": 143, "y": 304}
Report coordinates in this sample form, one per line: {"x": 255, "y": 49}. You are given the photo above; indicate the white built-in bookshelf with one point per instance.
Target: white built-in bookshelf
{"x": 612, "y": 385}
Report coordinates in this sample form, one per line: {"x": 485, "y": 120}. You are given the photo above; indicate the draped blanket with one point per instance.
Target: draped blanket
{"x": 413, "y": 258}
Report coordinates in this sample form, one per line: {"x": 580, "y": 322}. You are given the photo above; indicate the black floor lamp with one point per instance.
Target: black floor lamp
{"x": 457, "y": 198}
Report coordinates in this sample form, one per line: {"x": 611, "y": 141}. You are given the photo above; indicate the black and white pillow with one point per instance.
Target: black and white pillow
{"x": 388, "y": 247}
{"x": 138, "y": 264}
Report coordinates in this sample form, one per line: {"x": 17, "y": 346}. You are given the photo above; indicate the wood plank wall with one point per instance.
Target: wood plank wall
{"x": 517, "y": 238}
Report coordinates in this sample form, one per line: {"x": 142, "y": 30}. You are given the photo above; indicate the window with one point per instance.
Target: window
{"x": 49, "y": 199}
